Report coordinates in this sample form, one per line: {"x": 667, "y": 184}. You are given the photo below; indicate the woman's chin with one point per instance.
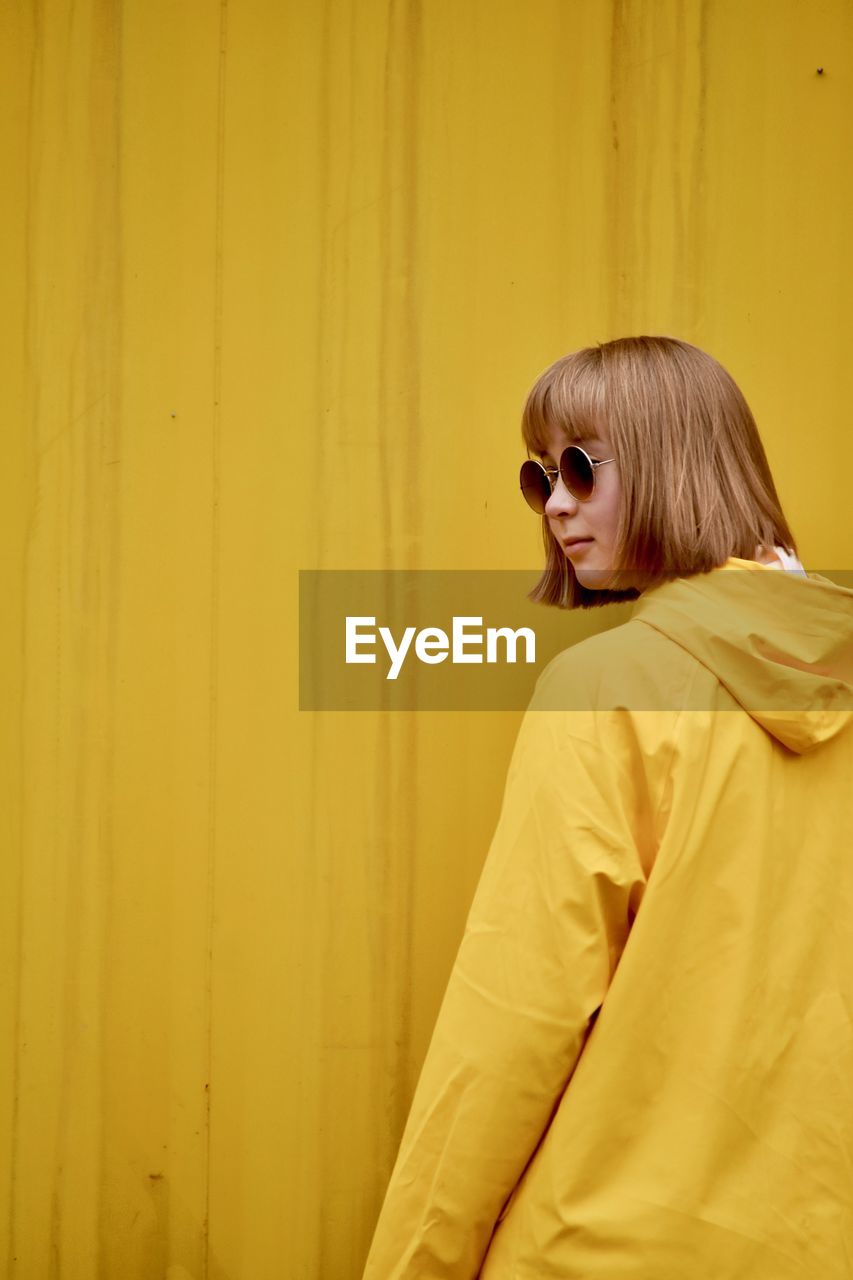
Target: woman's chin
{"x": 593, "y": 579}
{"x": 608, "y": 579}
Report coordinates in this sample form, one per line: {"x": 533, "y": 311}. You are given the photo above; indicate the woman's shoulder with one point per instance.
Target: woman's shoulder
{"x": 630, "y": 666}
{"x": 613, "y": 703}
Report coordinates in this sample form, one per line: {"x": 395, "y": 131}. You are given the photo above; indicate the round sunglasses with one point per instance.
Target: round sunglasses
{"x": 577, "y": 470}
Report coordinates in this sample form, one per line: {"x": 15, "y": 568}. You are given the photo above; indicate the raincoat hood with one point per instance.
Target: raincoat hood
{"x": 780, "y": 643}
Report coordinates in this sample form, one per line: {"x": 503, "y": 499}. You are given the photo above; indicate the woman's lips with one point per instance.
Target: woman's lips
{"x": 575, "y": 544}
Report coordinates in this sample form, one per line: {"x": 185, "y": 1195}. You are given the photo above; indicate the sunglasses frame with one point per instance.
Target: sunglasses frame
{"x": 550, "y": 472}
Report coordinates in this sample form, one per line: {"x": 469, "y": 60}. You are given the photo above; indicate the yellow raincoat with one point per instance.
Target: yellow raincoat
{"x": 643, "y": 1065}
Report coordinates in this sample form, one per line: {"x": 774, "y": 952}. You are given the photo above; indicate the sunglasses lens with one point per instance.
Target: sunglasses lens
{"x": 534, "y": 486}
{"x": 576, "y": 471}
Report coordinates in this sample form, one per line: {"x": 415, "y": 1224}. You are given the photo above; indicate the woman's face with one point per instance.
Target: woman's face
{"x": 586, "y": 531}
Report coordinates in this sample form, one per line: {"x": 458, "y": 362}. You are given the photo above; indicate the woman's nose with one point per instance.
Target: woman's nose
{"x": 561, "y": 501}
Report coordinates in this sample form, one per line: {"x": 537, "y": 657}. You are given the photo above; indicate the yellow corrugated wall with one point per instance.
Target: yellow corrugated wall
{"x": 276, "y": 277}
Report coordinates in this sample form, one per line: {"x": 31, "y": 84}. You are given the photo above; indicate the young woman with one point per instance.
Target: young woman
{"x": 643, "y": 1064}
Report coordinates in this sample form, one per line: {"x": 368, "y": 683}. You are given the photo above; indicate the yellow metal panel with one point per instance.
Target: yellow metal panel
{"x": 277, "y": 278}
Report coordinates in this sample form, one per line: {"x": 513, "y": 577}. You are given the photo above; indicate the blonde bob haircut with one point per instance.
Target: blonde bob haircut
{"x": 695, "y": 484}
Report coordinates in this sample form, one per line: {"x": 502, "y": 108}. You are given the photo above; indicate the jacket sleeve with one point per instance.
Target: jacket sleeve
{"x": 547, "y": 926}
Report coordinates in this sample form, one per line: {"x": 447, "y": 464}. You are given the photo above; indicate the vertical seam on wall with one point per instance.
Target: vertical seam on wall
{"x": 214, "y": 609}
{"x": 110, "y": 22}
{"x": 30, "y": 179}
{"x": 318, "y": 739}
